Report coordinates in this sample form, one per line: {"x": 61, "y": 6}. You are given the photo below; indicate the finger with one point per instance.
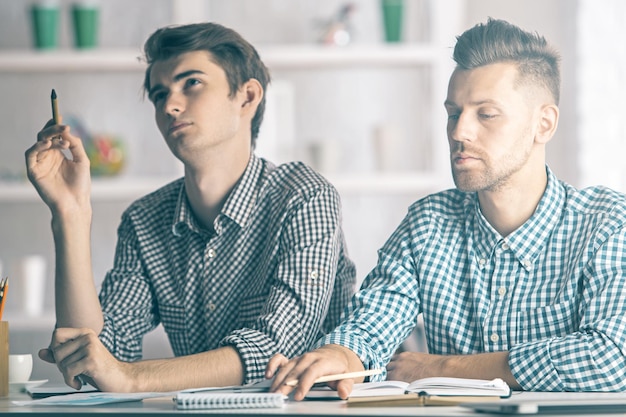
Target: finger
{"x": 45, "y": 354}
{"x": 344, "y": 388}
{"x": 274, "y": 364}
{"x": 304, "y": 372}
{"x": 73, "y": 366}
{"x": 66, "y": 341}
{"x": 75, "y": 146}
{"x": 280, "y": 376}
{"x": 50, "y": 131}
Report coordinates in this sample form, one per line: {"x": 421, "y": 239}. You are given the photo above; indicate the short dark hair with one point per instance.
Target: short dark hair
{"x": 499, "y": 41}
{"x": 237, "y": 57}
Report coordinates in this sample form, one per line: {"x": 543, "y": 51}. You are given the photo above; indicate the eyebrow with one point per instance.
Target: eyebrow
{"x": 177, "y": 78}
{"x": 449, "y": 103}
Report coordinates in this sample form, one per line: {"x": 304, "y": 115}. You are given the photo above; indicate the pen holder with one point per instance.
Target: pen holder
{"x": 4, "y": 358}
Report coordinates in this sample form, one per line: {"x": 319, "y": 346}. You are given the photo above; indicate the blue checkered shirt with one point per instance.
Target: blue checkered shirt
{"x": 273, "y": 277}
{"x": 552, "y": 293}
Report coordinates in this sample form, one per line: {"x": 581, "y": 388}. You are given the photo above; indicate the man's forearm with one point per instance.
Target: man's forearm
{"x": 219, "y": 367}
{"x": 76, "y": 299}
{"x": 480, "y": 366}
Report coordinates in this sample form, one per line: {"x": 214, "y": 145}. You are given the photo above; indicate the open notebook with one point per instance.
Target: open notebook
{"x": 436, "y": 386}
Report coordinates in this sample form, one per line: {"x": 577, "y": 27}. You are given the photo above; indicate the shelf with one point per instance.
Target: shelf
{"x": 71, "y": 60}
{"x": 109, "y": 189}
{"x": 308, "y": 56}
{"x": 276, "y": 57}
{"x": 386, "y": 183}
{"x": 125, "y": 188}
{"x": 19, "y": 322}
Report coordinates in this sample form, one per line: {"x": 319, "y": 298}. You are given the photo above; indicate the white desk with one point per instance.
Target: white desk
{"x": 165, "y": 407}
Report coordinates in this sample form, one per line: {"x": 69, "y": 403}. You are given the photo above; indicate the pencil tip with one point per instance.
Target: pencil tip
{"x": 54, "y": 94}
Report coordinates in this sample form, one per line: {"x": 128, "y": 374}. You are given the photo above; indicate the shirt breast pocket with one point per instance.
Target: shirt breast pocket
{"x": 174, "y": 322}
{"x": 555, "y": 320}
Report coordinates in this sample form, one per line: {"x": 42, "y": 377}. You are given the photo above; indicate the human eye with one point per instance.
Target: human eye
{"x": 157, "y": 96}
{"x": 453, "y": 111}
{"x": 191, "y": 82}
{"x": 487, "y": 114}
{"x": 453, "y": 114}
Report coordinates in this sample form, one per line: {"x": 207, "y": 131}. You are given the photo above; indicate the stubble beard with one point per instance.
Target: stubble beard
{"x": 491, "y": 177}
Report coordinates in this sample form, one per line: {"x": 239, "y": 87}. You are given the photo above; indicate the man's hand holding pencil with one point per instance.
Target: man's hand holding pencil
{"x": 336, "y": 365}
{"x": 57, "y": 164}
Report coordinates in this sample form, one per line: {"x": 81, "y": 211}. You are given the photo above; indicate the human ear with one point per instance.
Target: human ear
{"x": 253, "y": 93}
{"x": 548, "y": 122}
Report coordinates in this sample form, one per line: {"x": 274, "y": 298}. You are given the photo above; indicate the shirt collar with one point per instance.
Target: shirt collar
{"x": 242, "y": 200}
{"x": 527, "y": 241}
{"x": 239, "y": 204}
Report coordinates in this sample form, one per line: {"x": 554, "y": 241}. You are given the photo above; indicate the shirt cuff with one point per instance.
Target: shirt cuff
{"x": 532, "y": 367}
{"x": 255, "y": 350}
{"x": 350, "y": 340}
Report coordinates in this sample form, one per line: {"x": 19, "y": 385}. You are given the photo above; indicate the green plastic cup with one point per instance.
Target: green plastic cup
{"x": 393, "y": 15}
{"x": 45, "y": 22}
{"x": 85, "y": 19}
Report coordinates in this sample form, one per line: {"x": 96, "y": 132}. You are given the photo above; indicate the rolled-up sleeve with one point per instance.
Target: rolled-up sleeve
{"x": 299, "y": 298}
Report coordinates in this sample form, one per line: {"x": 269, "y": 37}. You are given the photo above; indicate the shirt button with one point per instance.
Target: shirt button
{"x": 482, "y": 261}
{"x": 211, "y": 306}
{"x": 501, "y": 290}
{"x": 494, "y": 338}
{"x": 313, "y": 274}
{"x": 211, "y": 253}
{"x": 505, "y": 246}
{"x": 527, "y": 263}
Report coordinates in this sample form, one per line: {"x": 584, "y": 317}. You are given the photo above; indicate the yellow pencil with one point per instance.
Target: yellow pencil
{"x": 4, "y": 289}
{"x": 55, "y": 107}
{"x": 337, "y": 377}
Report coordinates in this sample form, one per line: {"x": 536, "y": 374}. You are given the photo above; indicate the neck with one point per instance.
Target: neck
{"x": 209, "y": 184}
{"x": 509, "y": 207}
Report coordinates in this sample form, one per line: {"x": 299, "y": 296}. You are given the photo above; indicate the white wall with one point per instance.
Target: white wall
{"x": 113, "y": 103}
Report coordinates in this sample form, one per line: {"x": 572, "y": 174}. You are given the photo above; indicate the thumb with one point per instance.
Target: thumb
{"x": 45, "y": 354}
{"x": 344, "y": 388}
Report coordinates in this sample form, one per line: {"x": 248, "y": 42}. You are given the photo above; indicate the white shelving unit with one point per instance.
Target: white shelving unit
{"x": 275, "y": 57}
{"x": 444, "y": 22}
{"x": 280, "y": 57}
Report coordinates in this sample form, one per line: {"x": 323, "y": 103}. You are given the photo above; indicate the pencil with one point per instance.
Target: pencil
{"x": 4, "y": 289}
{"x": 55, "y": 107}
{"x": 337, "y": 377}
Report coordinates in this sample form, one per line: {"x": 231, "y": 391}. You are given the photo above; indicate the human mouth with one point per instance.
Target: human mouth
{"x": 177, "y": 126}
{"x": 462, "y": 158}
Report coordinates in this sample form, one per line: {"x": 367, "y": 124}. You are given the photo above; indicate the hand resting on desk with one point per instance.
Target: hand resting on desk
{"x": 80, "y": 355}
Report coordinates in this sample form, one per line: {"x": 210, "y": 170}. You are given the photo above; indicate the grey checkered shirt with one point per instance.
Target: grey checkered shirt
{"x": 553, "y": 292}
{"x": 274, "y": 277}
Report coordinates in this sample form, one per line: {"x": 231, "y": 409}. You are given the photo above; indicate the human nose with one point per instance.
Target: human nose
{"x": 174, "y": 104}
{"x": 461, "y": 127}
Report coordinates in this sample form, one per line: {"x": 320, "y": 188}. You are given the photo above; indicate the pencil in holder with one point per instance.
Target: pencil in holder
{"x": 4, "y": 358}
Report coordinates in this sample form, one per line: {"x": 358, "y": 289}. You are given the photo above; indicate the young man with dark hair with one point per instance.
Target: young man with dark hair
{"x": 238, "y": 260}
{"x": 518, "y": 275}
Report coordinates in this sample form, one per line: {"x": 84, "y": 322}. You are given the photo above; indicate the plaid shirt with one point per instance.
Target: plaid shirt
{"x": 553, "y": 292}
{"x": 274, "y": 276}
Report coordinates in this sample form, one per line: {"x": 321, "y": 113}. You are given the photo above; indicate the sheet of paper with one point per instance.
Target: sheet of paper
{"x": 51, "y": 389}
{"x": 93, "y": 398}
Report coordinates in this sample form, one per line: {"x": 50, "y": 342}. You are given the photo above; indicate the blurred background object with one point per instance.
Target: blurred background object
{"x": 337, "y": 30}
{"x": 45, "y": 24}
{"x": 85, "y": 22}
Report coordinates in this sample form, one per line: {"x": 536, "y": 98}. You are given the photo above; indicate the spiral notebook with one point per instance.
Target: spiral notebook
{"x": 223, "y": 400}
